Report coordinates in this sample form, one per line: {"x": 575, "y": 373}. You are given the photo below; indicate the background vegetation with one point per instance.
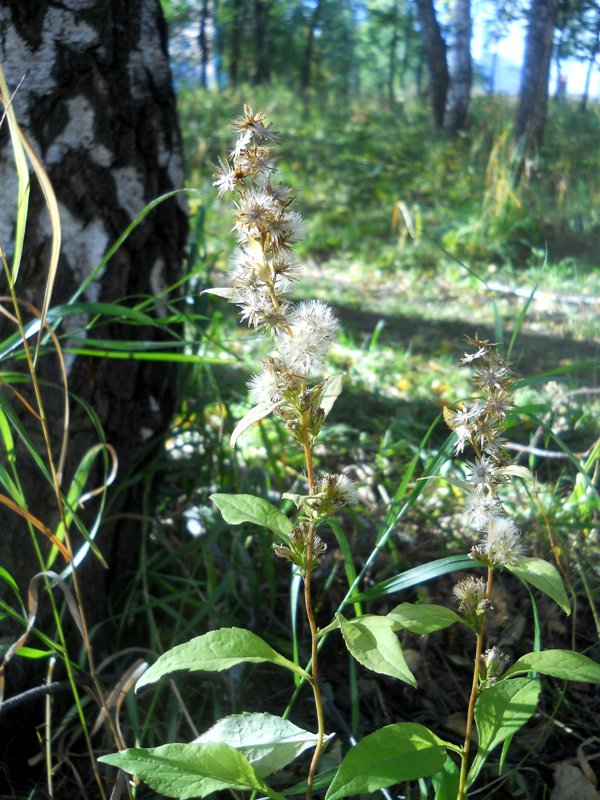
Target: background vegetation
{"x": 416, "y": 235}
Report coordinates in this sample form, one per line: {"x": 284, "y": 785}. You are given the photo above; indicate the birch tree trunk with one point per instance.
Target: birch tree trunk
{"x": 436, "y": 58}
{"x": 97, "y": 104}
{"x": 459, "y": 96}
{"x": 533, "y": 95}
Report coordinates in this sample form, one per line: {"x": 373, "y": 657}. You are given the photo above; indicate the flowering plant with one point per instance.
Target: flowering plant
{"x": 241, "y": 750}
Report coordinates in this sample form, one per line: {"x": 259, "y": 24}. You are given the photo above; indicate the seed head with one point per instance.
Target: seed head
{"x": 480, "y": 508}
{"x": 312, "y": 329}
{"x": 502, "y": 544}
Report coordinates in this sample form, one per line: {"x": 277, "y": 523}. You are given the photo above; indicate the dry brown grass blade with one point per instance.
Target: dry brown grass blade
{"x": 32, "y": 609}
{"x": 52, "y": 207}
{"x": 23, "y": 182}
{"x": 21, "y": 399}
{"x": 109, "y": 479}
{"x": 37, "y": 524}
{"x": 118, "y": 694}
{"x": 51, "y": 203}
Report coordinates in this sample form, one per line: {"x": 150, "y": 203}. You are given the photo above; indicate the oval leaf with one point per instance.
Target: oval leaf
{"x": 187, "y": 771}
{"x": 216, "y": 651}
{"x": 373, "y": 643}
{"x": 268, "y": 742}
{"x": 423, "y": 617}
{"x": 255, "y": 414}
{"x": 332, "y": 388}
{"x": 565, "y": 664}
{"x": 239, "y": 508}
{"x": 402, "y": 752}
{"x": 545, "y": 577}
{"x": 499, "y": 712}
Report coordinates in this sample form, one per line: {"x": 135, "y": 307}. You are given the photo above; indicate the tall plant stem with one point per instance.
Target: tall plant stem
{"x": 462, "y": 784}
{"x": 311, "y": 618}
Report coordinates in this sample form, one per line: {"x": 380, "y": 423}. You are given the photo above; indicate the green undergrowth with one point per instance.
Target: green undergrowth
{"x": 415, "y": 241}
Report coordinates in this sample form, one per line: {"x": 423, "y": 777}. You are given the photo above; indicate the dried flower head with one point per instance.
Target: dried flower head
{"x": 296, "y": 552}
{"x": 479, "y": 508}
{"x": 481, "y": 423}
{"x": 470, "y": 595}
{"x": 502, "y": 544}
{"x": 312, "y": 327}
{"x": 483, "y": 474}
{"x": 332, "y": 492}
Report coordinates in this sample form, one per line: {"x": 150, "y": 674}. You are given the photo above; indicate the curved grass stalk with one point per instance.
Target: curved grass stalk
{"x": 69, "y": 547}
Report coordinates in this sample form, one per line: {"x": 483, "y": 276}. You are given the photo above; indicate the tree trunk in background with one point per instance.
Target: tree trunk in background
{"x": 98, "y": 106}
{"x": 591, "y": 64}
{"x": 262, "y": 66}
{"x": 493, "y": 66}
{"x": 309, "y": 48}
{"x": 204, "y": 42}
{"x": 237, "y": 27}
{"x": 408, "y": 29}
{"x": 393, "y": 53}
{"x": 435, "y": 55}
{"x": 459, "y": 96}
{"x": 533, "y": 95}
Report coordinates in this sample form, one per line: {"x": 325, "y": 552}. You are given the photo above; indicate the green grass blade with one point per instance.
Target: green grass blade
{"x": 346, "y": 551}
{"x": 416, "y": 576}
{"x": 122, "y": 238}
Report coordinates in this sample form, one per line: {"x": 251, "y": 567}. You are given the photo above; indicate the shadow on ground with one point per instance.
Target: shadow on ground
{"x": 533, "y": 353}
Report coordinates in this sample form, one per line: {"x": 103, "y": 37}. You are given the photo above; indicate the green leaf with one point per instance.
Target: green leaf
{"x": 565, "y": 664}
{"x": 216, "y": 651}
{"x": 373, "y": 643}
{"x": 7, "y": 578}
{"x": 187, "y": 771}
{"x": 423, "y": 618}
{"x": 255, "y": 414}
{"x": 268, "y": 742}
{"x": 33, "y": 652}
{"x": 499, "y": 712}
{"x": 545, "y": 577}
{"x": 446, "y": 782}
{"x": 401, "y": 752}
{"x": 321, "y": 781}
{"x": 239, "y": 508}
{"x": 332, "y": 388}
